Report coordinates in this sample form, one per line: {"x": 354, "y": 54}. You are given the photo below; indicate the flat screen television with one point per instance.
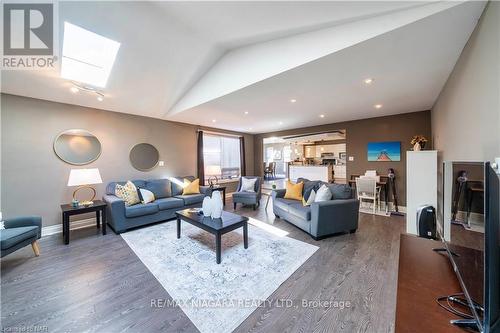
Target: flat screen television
{"x": 474, "y": 249}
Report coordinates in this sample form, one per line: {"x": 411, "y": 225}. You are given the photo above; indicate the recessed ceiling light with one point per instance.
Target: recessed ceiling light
{"x": 377, "y": 106}
{"x": 293, "y": 100}
{"x": 246, "y": 112}
{"x": 368, "y": 80}
{"x": 100, "y": 98}
{"x": 74, "y": 90}
{"x": 86, "y": 56}
{"x": 213, "y": 120}
{"x": 322, "y": 116}
{"x": 280, "y": 123}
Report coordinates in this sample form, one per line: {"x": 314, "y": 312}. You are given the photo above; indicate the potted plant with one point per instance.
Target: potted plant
{"x": 418, "y": 142}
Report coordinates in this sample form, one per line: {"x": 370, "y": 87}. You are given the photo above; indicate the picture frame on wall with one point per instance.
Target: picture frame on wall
{"x": 389, "y": 151}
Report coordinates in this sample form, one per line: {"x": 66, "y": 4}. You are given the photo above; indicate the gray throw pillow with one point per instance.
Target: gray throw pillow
{"x": 340, "y": 191}
{"x": 310, "y": 185}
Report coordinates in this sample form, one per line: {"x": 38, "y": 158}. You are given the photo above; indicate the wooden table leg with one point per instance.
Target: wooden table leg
{"x": 103, "y": 212}
{"x": 98, "y": 218}
{"x": 245, "y": 235}
{"x": 178, "y": 228}
{"x": 63, "y": 225}
{"x": 66, "y": 226}
{"x": 218, "y": 247}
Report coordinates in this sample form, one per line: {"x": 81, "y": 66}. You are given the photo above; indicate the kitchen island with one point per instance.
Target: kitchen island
{"x": 311, "y": 172}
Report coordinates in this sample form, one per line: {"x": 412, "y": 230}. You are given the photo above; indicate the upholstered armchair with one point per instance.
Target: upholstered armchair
{"x": 248, "y": 198}
{"x": 20, "y": 232}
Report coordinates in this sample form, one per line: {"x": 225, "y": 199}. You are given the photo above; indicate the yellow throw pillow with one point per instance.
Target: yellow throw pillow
{"x": 127, "y": 193}
{"x": 294, "y": 191}
{"x": 191, "y": 187}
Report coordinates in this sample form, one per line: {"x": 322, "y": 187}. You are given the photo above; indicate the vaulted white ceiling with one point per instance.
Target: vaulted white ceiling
{"x": 240, "y": 63}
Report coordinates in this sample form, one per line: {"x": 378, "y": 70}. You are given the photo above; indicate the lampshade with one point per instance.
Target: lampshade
{"x": 213, "y": 170}
{"x": 79, "y": 177}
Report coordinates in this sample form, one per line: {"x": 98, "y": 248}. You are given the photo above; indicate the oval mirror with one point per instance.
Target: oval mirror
{"x": 144, "y": 156}
{"x": 77, "y": 146}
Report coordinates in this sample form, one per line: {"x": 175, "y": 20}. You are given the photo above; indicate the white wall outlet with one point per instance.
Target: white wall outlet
{"x": 351, "y": 158}
{"x": 161, "y": 163}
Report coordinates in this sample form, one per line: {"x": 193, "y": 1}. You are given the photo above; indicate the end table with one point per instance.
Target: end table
{"x": 99, "y": 207}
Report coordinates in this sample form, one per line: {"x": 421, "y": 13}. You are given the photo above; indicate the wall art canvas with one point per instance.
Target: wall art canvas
{"x": 384, "y": 151}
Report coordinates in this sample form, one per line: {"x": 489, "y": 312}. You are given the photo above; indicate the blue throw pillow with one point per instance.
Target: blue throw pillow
{"x": 340, "y": 191}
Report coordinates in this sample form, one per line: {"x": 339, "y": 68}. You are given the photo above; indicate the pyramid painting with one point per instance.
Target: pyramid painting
{"x": 384, "y": 151}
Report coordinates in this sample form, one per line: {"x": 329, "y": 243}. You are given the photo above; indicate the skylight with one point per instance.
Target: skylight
{"x": 86, "y": 56}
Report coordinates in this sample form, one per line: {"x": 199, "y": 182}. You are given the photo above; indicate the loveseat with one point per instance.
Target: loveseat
{"x": 320, "y": 219}
{"x": 168, "y": 200}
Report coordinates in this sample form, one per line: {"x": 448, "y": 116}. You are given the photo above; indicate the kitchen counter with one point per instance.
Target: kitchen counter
{"x": 312, "y": 172}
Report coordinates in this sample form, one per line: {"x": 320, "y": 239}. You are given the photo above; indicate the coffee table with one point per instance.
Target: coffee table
{"x": 218, "y": 227}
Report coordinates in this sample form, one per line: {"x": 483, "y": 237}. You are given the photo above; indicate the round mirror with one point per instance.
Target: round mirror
{"x": 77, "y": 146}
{"x": 144, "y": 156}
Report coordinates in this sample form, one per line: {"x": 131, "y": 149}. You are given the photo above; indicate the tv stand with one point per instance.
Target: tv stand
{"x": 424, "y": 275}
{"x": 442, "y": 249}
{"x": 469, "y": 324}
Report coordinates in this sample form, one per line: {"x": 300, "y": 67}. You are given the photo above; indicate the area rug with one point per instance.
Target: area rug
{"x": 218, "y": 298}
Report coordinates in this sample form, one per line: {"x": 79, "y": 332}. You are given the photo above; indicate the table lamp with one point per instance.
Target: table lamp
{"x": 83, "y": 178}
{"x": 213, "y": 171}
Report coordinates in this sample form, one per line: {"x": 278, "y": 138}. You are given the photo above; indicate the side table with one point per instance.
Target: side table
{"x": 99, "y": 207}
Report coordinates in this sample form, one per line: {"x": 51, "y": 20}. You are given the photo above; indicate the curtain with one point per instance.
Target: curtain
{"x": 201, "y": 162}
{"x": 243, "y": 167}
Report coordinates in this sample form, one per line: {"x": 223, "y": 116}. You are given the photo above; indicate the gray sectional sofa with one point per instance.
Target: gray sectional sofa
{"x": 169, "y": 199}
{"x": 321, "y": 219}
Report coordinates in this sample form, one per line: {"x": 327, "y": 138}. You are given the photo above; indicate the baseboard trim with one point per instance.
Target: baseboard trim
{"x": 57, "y": 228}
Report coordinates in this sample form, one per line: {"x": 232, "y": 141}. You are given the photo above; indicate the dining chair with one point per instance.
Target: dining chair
{"x": 267, "y": 170}
{"x": 272, "y": 167}
{"x": 367, "y": 189}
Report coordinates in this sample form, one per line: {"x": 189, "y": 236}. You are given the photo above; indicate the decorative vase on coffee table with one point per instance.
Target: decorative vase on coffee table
{"x": 206, "y": 207}
{"x": 217, "y": 205}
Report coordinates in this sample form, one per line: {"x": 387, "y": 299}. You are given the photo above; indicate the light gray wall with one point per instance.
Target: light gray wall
{"x": 34, "y": 179}
{"x": 466, "y": 116}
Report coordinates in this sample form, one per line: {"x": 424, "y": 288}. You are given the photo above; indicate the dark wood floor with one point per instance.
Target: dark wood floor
{"x": 98, "y": 284}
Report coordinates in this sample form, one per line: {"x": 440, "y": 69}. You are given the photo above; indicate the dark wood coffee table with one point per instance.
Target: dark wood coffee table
{"x": 218, "y": 227}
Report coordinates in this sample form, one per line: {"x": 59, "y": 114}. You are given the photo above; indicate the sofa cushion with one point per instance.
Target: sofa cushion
{"x": 178, "y": 185}
{"x": 141, "y": 210}
{"x": 300, "y": 211}
{"x": 284, "y": 203}
{"x": 110, "y": 188}
{"x": 191, "y": 199}
{"x": 310, "y": 185}
{"x": 169, "y": 203}
{"x": 161, "y": 188}
{"x": 245, "y": 195}
{"x": 340, "y": 191}
{"x": 12, "y": 236}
